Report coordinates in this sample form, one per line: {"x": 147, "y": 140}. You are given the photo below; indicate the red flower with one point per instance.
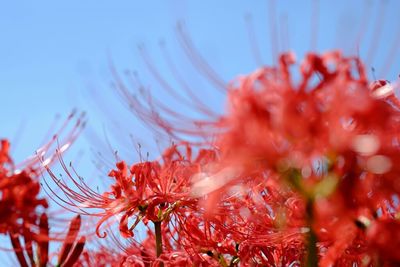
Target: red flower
{"x": 19, "y": 195}
{"x": 148, "y": 191}
{"x": 384, "y": 237}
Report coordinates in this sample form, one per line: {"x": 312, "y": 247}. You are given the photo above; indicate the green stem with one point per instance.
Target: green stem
{"x": 157, "y": 227}
{"x": 312, "y": 251}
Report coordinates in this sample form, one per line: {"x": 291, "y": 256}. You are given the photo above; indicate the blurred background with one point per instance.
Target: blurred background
{"x": 57, "y": 56}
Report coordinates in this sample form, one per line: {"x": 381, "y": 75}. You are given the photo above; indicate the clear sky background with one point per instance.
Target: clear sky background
{"x": 55, "y": 55}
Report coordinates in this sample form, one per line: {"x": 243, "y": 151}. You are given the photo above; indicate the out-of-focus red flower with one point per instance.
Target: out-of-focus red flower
{"x": 133, "y": 261}
{"x": 21, "y": 206}
{"x": 331, "y": 136}
{"x": 384, "y": 237}
{"x": 35, "y": 252}
{"x": 19, "y": 195}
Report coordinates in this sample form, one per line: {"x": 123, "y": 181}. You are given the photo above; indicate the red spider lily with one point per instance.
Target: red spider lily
{"x": 148, "y": 191}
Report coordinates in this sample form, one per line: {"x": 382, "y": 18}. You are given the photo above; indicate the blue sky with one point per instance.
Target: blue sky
{"x": 54, "y": 55}
{"x": 52, "y": 52}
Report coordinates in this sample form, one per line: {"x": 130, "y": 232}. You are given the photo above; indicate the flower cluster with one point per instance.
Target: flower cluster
{"x": 301, "y": 170}
{"x": 298, "y": 172}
